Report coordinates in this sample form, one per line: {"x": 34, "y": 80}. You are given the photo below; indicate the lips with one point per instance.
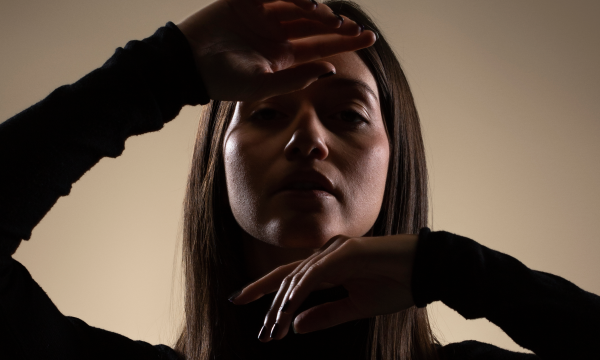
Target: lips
{"x": 306, "y": 181}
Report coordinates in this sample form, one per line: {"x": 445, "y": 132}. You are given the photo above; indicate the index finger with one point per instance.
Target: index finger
{"x": 266, "y": 284}
{"x": 318, "y": 47}
{"x": 305, "y": 4}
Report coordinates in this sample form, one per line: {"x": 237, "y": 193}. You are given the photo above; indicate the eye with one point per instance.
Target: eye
{"x": 351, "y": 117}
{"x": 265, "y": 114}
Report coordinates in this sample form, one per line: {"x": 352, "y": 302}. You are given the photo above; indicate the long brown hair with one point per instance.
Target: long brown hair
{"x": 212, "y": 249}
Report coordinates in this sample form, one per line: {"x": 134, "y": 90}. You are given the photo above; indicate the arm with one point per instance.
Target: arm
{"x": 243, "y": 53}
{"x": 46, "y": 148}
{"x": 542, "y": 312}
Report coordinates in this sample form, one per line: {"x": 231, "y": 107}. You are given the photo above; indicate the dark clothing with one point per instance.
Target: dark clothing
{"x": 48, "y": 147}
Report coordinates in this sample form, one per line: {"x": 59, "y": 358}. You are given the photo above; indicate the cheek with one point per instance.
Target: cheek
{"x": 240, "y": 167}
{"x": 366, "y": 174}
{"x": 371, "y": 172}
{"x": 246, "y": 159}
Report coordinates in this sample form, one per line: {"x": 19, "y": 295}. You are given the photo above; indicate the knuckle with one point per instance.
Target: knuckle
{"x": 296, "y": 279}
{"x": 288, "y": 279}
{"x": 314, "y": 267}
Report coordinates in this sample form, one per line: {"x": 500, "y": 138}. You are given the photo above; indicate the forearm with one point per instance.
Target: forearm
{"x": 49, "y": 146}
{"x": 541, "y": 312}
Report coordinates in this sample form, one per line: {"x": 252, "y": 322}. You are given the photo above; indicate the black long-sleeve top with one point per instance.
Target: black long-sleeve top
{"x": 49, "y": 146}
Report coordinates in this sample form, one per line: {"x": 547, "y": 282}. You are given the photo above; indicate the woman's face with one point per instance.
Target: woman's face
{"x": 306, "y": 166}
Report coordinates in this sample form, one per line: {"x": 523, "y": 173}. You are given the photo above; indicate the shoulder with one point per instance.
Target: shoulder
{"x": 166, "y": 352}
{"x": 111, "y": 345}
{"x": 475, "y": 350}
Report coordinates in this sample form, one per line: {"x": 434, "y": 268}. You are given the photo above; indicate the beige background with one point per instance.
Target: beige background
{"x": 508, "y": 95}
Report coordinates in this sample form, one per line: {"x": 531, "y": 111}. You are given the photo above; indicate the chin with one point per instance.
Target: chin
{"x": 310, "y": 231}
{"x": 298, "y": 235}
{"x": 298, "y": 243}
{"x": 306, "y": 237}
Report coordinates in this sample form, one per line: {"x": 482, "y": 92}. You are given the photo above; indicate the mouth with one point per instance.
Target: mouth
{"x": 304, "y": 186}
{"x": 302, "y": 192}
{"x": 309, "y": 183}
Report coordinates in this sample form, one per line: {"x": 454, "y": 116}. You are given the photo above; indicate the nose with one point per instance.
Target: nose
{"x": 308, "y": 137}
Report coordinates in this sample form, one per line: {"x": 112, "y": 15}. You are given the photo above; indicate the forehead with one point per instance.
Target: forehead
{"x": 350, "y": 65}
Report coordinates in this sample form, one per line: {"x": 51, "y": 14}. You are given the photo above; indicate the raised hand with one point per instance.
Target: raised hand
{"x": 249, "y": 50}
{"x": 376, "y": 272}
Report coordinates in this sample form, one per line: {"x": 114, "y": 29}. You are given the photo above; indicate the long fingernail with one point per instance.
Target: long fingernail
{"x": 273, "y": 331}
{"x": 234, "y": 295}
{"x": 338, "y": 16}
{"x": 327, "y": 75}
{"x": 285, "y": 306}
{"x": 374, "y": 32}
{"x": 262, "y": 333}
{"x": 361, "y": 26}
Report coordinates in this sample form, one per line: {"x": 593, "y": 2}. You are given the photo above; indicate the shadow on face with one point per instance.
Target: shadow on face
{"x": 304, "y": 167}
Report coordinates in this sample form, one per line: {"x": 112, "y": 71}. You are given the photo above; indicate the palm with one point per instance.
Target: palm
{"x": 241, "y": 65}
{"x": 249, "y": 51}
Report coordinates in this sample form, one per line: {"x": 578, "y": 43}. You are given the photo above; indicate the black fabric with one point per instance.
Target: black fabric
{"x": 345, "y": 341}
{"x": 48, "y": 147}
{"x": 54, "y": 142}
{"x": 542, "y": 312}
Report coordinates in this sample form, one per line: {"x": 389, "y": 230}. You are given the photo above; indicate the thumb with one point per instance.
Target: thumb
{"x": 292, "y": 79}
{"x": 326, "y": 315}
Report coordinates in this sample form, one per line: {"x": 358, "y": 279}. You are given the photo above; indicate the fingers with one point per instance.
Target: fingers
{"x": 264, "y": 17}
{"x": 306, "y": 28}
{"x": 322, "y": 271}
{"x": 366, "y": 268}
{"x": 254, "y": 17}
{"x": 299, "y": 289}
{"x": 319, "y": 47}
{"x": 324, "y": 316}
{"x": 291, "y": 79}
{"x": 295, "y": 281}
{"x": 285, "y": 11}
{"x": 265, "y": 285}
{"x": 305, "y": 4}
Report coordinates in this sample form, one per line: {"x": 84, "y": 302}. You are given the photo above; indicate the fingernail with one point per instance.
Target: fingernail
{"x": 338, "y": 16}
{"x": 361, "y": 26}
{"x": 376, "y": 35}
{"x": 273, "y": 331}
{"x": 294, "y": 327}
{"x": 234, "y": 295}
{"x": 316, "y": 3}
{"x": 262, "y": 333}
{"x": 327, "y": 75}
{"x": 285, "y": 306}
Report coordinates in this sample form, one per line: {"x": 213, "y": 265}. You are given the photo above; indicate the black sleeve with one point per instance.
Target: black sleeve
{"x": 48, "y": 147}
{"x": 541, "y": 312}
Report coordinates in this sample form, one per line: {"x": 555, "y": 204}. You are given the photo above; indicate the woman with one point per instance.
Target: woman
{"x": 324, "y": 174}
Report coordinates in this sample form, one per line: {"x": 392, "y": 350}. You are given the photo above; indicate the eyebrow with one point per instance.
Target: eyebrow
{"x": 354, "y": 83}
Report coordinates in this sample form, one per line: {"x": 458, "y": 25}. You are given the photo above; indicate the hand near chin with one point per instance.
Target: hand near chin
{"x": 376, "y": 272}
{"x": 249, "y": 50}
